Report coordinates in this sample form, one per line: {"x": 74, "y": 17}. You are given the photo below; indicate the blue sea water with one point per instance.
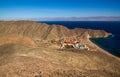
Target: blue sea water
{"x": 111, "y": 43}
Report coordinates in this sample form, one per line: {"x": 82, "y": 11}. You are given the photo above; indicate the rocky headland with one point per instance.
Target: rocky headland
{"x": 30, "y": 49}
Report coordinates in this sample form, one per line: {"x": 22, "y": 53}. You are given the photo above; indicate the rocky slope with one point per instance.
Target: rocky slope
{"x": 44, "y": 31}
{"x": 26, "y": 50}
{"x": 49, "y": 61}
{"x": 40, "y": 31}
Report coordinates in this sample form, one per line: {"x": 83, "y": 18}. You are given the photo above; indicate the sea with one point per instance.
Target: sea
{"x": 111, "y": 44}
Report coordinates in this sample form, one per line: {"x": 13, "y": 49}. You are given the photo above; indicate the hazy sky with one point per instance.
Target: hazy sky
{"x": 15, "y": 9}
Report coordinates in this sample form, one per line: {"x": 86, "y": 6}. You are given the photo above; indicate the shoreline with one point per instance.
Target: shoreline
{"x": 104, "y": 51}
{"x": 107, "y": 46}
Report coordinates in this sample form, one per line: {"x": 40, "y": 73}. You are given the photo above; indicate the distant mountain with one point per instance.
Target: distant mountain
{"x": 100, "y": 18}
{"x": 97, "y": 18}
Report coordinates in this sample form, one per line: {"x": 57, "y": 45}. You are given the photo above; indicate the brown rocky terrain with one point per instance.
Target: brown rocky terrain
{"x": 30, "y": 49}
{"x": 40, "y": 32}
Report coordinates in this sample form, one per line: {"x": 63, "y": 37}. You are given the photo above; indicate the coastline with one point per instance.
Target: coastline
{"x": 108, "y": 45}
{"x": 104, "y": 51}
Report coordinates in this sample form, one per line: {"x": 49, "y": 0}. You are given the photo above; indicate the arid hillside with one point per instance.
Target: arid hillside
{"x": 30, "y": 49}
{"x": 40, "y": 32}
{"x": 44, "y": 31}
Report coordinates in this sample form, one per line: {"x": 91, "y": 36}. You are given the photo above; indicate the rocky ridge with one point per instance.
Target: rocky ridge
{"x": 42, "y": 31}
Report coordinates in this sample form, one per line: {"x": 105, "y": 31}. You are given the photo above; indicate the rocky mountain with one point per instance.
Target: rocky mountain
{"x": 41, "y": 32}
{"x": 46, "y": 32}
{"x": 27, "y": 49}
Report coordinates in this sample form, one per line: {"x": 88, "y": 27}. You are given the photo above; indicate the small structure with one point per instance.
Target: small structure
{"x": 77, "y": 44}
{"x": 69, "y": 41}
{"x": 84, "y": 47}
{"x": 72, "y": 42}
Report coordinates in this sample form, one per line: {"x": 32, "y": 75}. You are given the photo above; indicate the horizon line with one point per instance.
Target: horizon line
{"x": 90, "y": 18}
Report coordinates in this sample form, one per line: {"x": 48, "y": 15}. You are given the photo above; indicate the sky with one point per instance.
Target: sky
{"x": 25, "y": 9}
